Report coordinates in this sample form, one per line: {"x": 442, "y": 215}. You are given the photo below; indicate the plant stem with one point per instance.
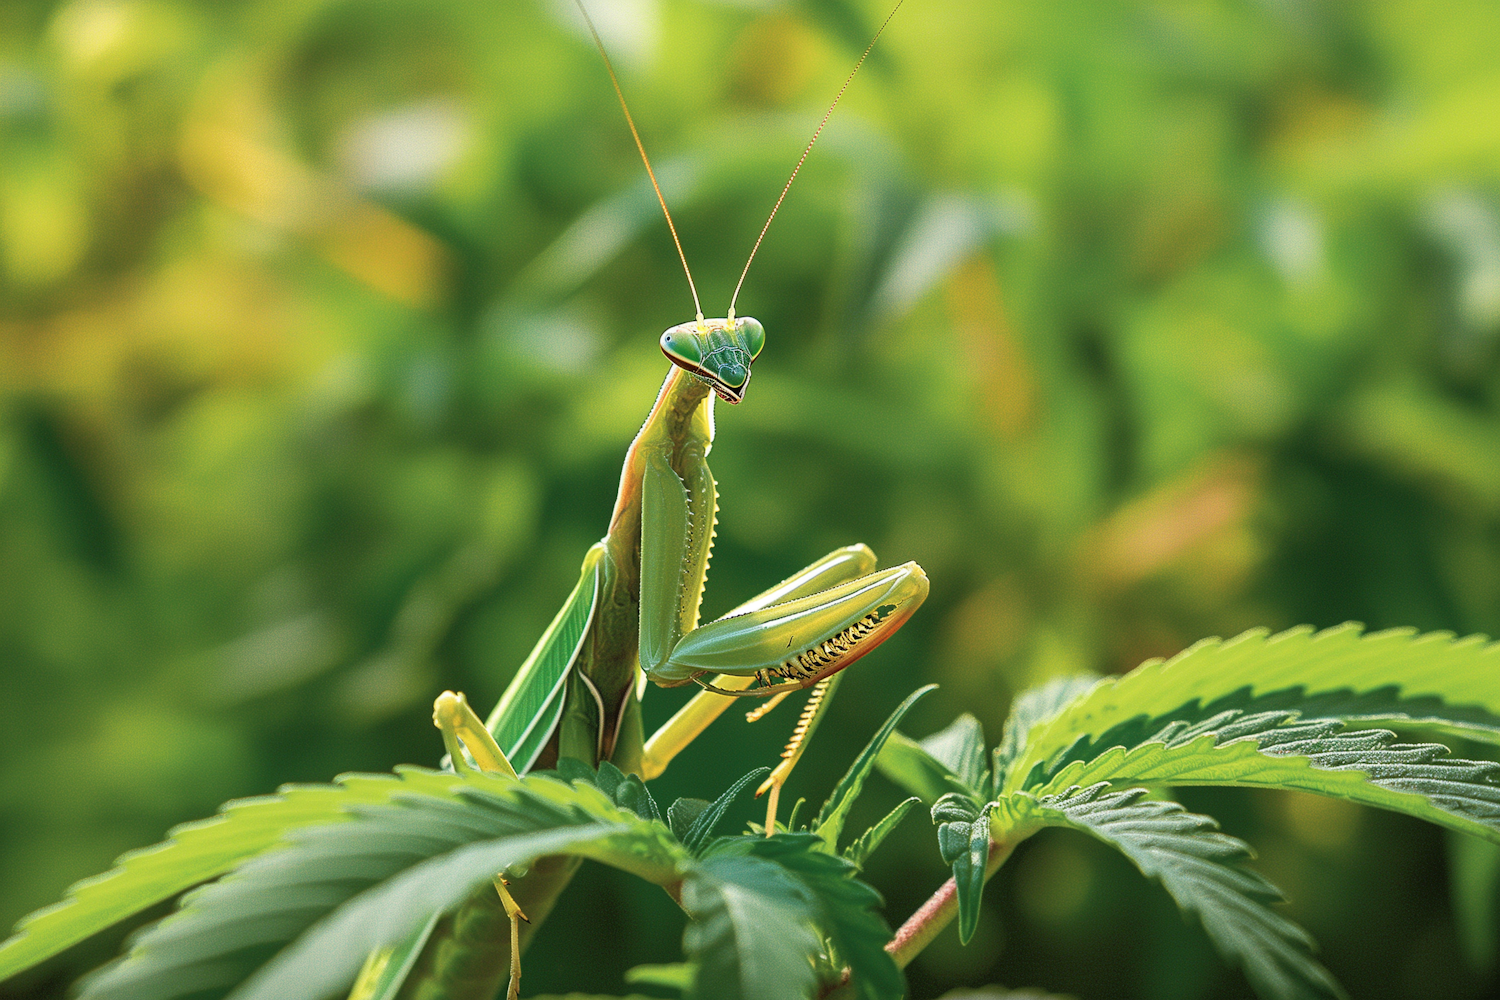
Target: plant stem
{"x": 939, "y": 910}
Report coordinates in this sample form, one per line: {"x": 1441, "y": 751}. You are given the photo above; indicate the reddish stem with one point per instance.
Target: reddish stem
{"x": 938, "y": 912}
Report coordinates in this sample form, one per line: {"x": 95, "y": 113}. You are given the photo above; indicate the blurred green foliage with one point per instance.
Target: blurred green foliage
{"x": 324, "y": 325}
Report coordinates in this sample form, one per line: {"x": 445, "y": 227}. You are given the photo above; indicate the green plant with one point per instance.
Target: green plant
{"x": 303, "y": 884}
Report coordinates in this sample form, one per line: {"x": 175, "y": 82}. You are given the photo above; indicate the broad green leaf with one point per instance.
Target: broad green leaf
{"x": 1397, "y": 677}
{"x": 903, "y": 760}
{"x": 366, "y": 883}
{"x": 830, "y": 822}
{"x": 527, "y": 713}
{"x": 193, "y": 853}
{"x": 960, "y": 748}
{"x": 751, "y": 932}
{"x": 1032, "y": 708}
{"x": 325, "y": 957}
{"x": 1203, "y": 870}
{"x": 843, "y": 909}
{"x": 865, "y": 844}
{"x": 1278, "y": 750}
{"x": 398, "y": 962}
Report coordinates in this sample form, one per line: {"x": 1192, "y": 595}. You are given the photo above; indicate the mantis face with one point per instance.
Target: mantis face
{"x": 719, "y": 351}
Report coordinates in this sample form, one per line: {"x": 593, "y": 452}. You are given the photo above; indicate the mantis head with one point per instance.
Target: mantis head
{"x": 718, "y": 351}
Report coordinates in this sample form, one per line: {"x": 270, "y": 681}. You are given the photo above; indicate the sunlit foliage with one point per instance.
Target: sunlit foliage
{"x": 324, "y": 325}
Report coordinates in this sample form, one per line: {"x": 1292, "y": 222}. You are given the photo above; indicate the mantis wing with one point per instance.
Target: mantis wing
{"x": 529, "y": 710}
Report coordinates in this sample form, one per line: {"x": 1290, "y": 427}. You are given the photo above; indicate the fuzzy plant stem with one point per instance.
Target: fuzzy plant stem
{"x": 939, "y": 910}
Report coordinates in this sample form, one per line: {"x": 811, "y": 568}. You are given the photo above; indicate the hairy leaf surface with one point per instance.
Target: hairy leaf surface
{"x": 751, "y": 931}
{"x": 193, "y": 853}
{"x": 840, "y": 910}
{"x": 1202, "y": 869}
{"x": 366, "y": 883}
{"x": 1416, "y": 682}
{"x": 1276, "y": 749}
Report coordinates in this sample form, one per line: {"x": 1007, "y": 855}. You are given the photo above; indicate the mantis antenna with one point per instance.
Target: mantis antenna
{"x": 599, "y": 44}
{"x": 780, "y": 198}
{"x": 808, "y": 149}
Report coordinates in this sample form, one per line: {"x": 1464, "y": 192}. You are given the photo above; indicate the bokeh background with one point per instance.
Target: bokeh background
{"x": 324, "y": 325}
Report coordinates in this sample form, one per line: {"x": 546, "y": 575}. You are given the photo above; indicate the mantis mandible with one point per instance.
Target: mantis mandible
{"x": 633, "y": 618}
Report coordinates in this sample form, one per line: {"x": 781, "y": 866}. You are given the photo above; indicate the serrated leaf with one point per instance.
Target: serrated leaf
{"x": 845, "y": 910}
{"x": 1032, "y": 708}
{"x": 703, "y": 826}
{"x": 751, "y": 932}
{"x": 866, "y": 843}
{"x": 831, "y": 818}
{"x": 1202, "y": 869}
{"x": 1278, "y": 750}
{"x": 193, "y": 853}
{"x": 322, "y": 960}
{"x": 904, "y": 762}
{"x": 960, "y": 748}
{"x": 1397, "y": 677}
{"x": 369, "y": 881}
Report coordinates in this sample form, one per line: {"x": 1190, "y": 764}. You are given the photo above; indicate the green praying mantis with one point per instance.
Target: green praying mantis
{"x": 633, "y": 617}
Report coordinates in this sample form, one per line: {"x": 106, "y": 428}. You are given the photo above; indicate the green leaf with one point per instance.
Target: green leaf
{"x": 682, "y": 814}
{"x": 193, "y": 853}
{"x": 1276, "y": 749}
{"x": 904, "y": 762}
{"x": 399, "y": 962}
{"x": 844, "y": 910}
{"x": 345, "y": 890}
{"x": 1203, "y": 871}
{"x": 866, "y": 843}
{"x": 1399, "y": 678}
{"x": 831, "y": 818}
{"x": 960, "y": 748}
{"x": 1032, "y": 708}
{"x": 631, "y": 793}
{"x": 751, "y": 932}
{"x": 703, "y": 826}
{"x": 527, "y": 713}
{"x": 964, "y": 842}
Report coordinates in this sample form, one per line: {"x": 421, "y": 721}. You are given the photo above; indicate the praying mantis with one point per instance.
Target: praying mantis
{"x": 633, "y": 617}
